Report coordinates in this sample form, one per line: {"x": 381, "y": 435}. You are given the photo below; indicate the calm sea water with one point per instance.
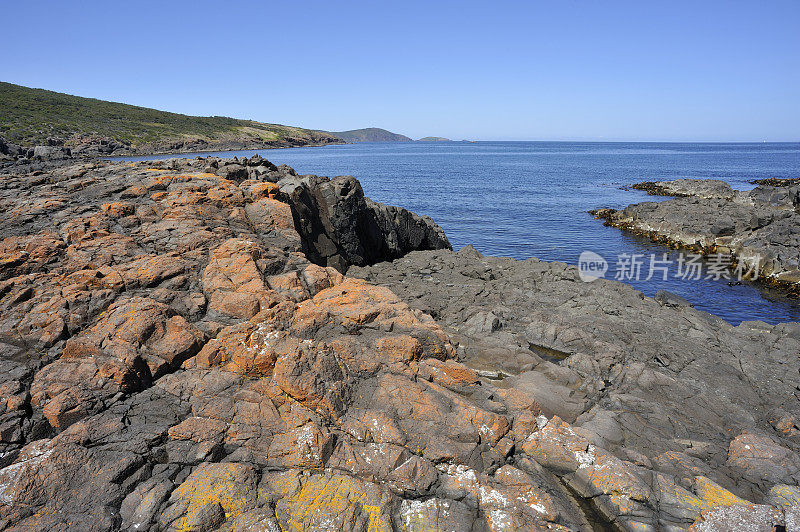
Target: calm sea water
{"x": 529, "y": 199}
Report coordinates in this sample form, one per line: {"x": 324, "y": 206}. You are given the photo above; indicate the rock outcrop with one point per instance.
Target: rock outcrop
{"x": 85, "y": 146}
{"x": 340, "y": 227}
{"x": 757, "y": 228}
{"x": 177, "y": 353}
{"x": 777, "y": 182}
{"x": 10, "y": 152}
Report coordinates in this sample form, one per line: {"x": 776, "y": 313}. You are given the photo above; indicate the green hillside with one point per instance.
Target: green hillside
{"x": 30, "y": 116}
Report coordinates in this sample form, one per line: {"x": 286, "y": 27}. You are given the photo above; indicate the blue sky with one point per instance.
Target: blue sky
{"x": 537, "y": 70}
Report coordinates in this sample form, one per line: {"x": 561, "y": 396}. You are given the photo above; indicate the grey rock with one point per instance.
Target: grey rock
{"x": 775, "y": 197}
{"x": 671, "y": 378}
{"x": 553, "y": 397}
{"x": 701, "y": 188}
{"x": 233, "y": 171}
{"x": 51, "y": 152}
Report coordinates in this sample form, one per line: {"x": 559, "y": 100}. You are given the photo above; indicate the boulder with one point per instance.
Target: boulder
{"x": 51, "y": 152}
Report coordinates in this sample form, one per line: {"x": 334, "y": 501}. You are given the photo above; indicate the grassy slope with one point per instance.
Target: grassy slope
{"x": 28, "y": 116}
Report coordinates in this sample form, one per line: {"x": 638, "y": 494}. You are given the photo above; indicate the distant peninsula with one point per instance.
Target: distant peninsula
{"x": 433, "y": 139}
{"x": 369, "y": 134}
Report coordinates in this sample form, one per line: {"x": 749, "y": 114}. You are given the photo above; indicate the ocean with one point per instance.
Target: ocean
{"x": 530, "y": 199}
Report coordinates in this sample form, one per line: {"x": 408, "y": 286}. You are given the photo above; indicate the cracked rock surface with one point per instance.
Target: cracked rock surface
{"x": 673, "y": 401}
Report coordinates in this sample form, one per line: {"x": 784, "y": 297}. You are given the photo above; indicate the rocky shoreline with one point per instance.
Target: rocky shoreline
{"x": 222, "y": 344}
{"x": 93, "y": 146}
{"x": 777, "y": 182}
{"x": 758, "y": 229}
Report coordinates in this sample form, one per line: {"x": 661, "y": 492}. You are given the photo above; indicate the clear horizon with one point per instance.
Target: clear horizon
{"x": 621, "y": 72}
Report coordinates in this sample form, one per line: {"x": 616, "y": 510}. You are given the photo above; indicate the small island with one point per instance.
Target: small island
{"x": 433, "y": 139}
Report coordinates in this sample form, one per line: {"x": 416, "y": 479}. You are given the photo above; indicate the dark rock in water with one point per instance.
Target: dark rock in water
{"x": 777, "y": 182}
{"x": 670, "y": 300}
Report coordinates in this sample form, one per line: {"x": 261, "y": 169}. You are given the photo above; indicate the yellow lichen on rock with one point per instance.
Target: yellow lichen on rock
{"x": 229, "y": 485}
{"x": 334, "y": 502}
{"x": 714, "y": 495}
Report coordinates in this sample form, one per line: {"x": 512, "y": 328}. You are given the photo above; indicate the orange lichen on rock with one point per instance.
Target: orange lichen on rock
{"x": 233, "y": 267}
{"x": 118, "y": 209}
{"x": 402, "y": 348}
{"x": 133, "y": 340}
{"x": 448, "y": 373}
{"x": 262, "y": 189}
{"x": 556, "y": 446}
